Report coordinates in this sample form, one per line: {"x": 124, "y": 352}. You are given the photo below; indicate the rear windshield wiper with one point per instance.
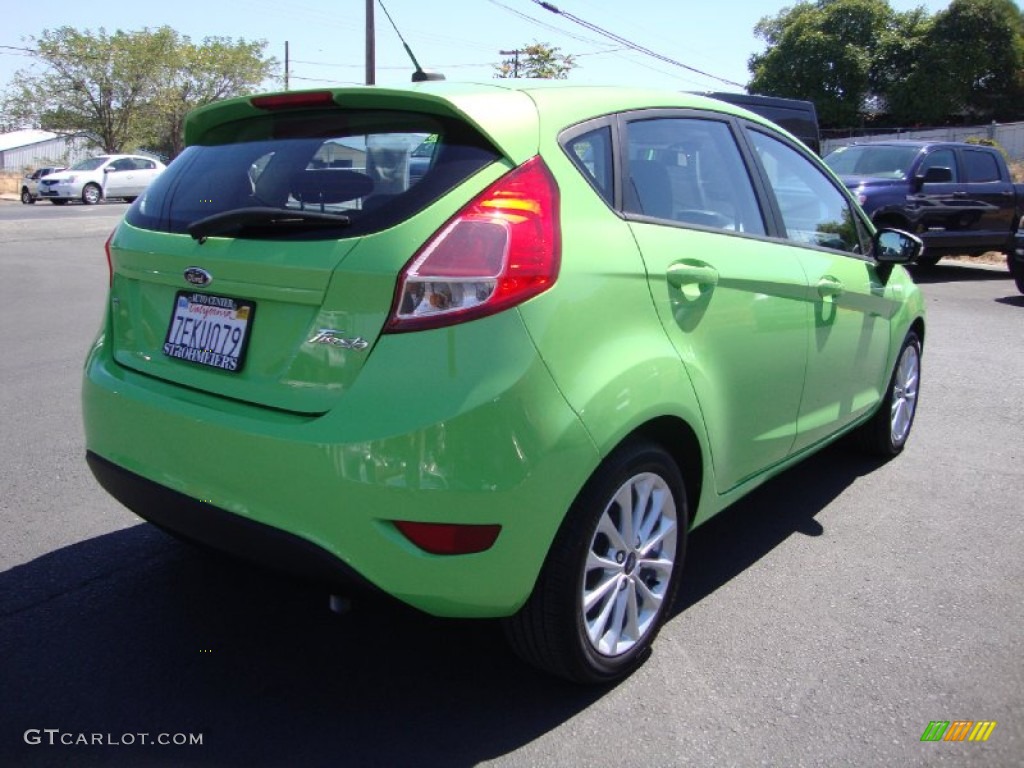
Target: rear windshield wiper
{"x": 262, "y": 218}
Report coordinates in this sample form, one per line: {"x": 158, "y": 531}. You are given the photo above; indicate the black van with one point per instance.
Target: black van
{"x": 797, "y": 117}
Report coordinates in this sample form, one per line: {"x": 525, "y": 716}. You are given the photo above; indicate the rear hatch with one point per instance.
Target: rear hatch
{"x": 261, "y": 265}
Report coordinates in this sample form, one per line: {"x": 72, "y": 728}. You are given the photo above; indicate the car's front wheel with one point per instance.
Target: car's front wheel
{"x": 886, "y": 433}
{"x": 928, "y": 260}
{"x": 26, "y": 196}
{"x": 1016, "y": 267}
{"x": 91, "y": 194}
{"x": 612, "y": 573}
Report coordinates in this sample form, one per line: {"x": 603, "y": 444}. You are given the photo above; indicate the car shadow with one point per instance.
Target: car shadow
{"x": 1013, "y": 301}
{"x": 135, "y": 633}
{"x": 750, "y": 529}
{"x": 958, "y": 271}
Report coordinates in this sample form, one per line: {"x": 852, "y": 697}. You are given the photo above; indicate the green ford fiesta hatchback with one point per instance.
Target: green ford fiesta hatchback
{"x": 492, "y": 350}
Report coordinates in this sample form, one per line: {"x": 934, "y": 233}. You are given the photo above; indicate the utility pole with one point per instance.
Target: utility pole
{"x": 370, "y": 51}
{"x": 515, "y": 61}
{"x": 286, "y": 65}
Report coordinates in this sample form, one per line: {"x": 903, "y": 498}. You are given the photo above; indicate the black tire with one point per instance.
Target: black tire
{"x": 26, "y": 197}
{"x": 59, "y": 200}
{"x": 551, "y": 630}
{"x": 927, "y": 260}
{"x": 91, "y": 194}
{"x": 1016, "y": 267}
{"x": 886, "y": 433}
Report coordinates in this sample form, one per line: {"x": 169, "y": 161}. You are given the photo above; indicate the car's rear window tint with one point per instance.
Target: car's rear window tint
{"x": 376, "y": 168}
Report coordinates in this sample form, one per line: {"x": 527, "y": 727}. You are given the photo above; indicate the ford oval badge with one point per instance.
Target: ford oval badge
{"x": 198, "y": 276}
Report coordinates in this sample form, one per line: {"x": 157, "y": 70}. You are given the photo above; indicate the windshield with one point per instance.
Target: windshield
{"x": 879, "y": 161}
{"x": 357, "y": 166}
{"x": 91, "y": 164}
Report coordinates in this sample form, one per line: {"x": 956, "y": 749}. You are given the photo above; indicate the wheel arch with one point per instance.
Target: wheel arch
{"x": 679, "y": 439}
{"x": 918, "y": 327}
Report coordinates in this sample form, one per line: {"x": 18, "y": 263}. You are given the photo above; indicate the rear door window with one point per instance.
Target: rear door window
{"x": 371, "y": 169}
{"x": 689, "y": 171}
{"x": 980, "y": 166}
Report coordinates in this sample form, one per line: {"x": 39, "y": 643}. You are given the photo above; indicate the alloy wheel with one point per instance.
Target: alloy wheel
{"x": 629, "y": 565}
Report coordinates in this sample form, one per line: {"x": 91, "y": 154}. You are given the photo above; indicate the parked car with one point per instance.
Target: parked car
{"x": 959, "y": 198}
{"x": 30, "y": 183}
{"x": 101, "y": 177}
{"x": 511, "y": 388}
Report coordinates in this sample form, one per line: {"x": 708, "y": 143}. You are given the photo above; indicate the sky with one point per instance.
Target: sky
{"x": 460, "y": 38}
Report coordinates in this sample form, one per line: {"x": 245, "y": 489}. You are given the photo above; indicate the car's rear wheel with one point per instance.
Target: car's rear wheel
{"x": 26, "y": 196}
{"x": 91, "y": 194}
{"x": 612, "y": 573}
{"x": 887, "y": 431}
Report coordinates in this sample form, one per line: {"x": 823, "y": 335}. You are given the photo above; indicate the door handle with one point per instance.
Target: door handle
{"x": 829, "y": 288}
{"x": 680, "y": 275}
{"x": 692, "y": 280}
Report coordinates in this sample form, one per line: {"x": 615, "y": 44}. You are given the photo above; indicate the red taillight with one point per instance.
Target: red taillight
{"x": 293, "y": 100}
{"x": 110, "y": 264}
{"x": 501, "y": 249}
{"x": 449, "y": 538}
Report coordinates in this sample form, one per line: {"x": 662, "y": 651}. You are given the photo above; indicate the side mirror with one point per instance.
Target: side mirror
{"x": 894, "y": 246}
{"x": 937, "y": 174}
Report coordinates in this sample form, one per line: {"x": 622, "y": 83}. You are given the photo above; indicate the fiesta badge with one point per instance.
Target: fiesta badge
{"x": 197, "y": 276}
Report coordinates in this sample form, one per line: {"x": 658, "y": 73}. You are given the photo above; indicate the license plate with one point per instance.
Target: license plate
{"x": 209, "y": 330}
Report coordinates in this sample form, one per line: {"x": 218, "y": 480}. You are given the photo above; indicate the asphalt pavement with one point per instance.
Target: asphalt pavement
{"x": 825, "y": 620}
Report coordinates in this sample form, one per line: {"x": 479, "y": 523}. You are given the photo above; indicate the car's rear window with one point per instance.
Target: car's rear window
{"x": 371, "y": 168}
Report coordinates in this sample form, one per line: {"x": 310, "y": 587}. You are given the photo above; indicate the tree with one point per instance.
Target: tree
{"x": 218, "y": 68}
{"x": 823, "y": 52}
{"x": 975, "y": 51}
{"x": 127, "y": 89}
{"x": 859, "y": 59}
{"x": 902, "y": 78}
{"x": 536, "y": 60}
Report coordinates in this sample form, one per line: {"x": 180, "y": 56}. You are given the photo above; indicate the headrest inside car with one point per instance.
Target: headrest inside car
{"x": 330, "y": 186}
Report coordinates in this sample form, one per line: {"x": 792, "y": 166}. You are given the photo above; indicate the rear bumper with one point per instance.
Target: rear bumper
{"x": 202, "y": 523}
{"x": 487, "y": 439}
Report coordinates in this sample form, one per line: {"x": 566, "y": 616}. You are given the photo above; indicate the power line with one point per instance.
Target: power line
{"x": 539, "y": 23}
{"x": 629, "y": 43}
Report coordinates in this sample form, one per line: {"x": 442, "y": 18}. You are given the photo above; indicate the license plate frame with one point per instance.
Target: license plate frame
{"x": 210, "y": 330}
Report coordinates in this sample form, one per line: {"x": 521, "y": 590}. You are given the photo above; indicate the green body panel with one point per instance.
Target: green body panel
{"x": 597, "y": 329}
{"x": 500, "y": 420}
{"x": 850, "y": 343}
{"x": 743, "y": 341}
{"x": 484, "y": 437}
